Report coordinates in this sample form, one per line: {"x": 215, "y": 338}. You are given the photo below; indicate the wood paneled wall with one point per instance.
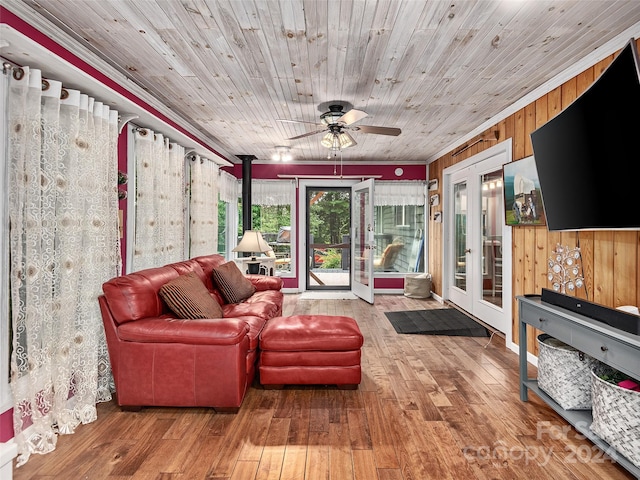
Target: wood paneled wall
{"x": 610, "y": 259}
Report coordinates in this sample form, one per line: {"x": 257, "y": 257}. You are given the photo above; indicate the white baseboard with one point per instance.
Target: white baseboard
{"x": 8, "y": 451}
{"x": 388, "y": 291}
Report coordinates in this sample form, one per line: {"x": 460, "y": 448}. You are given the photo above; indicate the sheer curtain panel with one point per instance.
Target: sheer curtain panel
{"x": 399, "y": 192}
{"x": 229, "y": 188}
{"x": 160, "y": 205}
{"x": 203, "y": 208}
{"x": 273, "y": 192}
{"x": 64, "y": 244}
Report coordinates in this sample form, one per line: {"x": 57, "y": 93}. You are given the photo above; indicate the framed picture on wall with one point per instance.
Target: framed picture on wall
{"x": 522, "y": 198}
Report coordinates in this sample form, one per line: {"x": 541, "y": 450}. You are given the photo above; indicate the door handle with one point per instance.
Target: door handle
{"x": 468, "y": 250}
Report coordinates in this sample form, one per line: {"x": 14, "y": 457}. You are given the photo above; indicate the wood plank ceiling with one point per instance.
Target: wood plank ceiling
{"x": 435, "y": 69}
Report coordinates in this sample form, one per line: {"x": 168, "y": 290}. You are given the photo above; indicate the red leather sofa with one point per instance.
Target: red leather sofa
{"x": 160, "y": 360}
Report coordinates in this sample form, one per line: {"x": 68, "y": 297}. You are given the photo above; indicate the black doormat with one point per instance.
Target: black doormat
{"x": 437, "y": 321}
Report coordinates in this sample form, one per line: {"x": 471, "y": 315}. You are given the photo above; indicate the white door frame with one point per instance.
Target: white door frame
{"x": 447, "y": 267}
{"x": 302, "y": 219}
{"x": 362, "y": 290}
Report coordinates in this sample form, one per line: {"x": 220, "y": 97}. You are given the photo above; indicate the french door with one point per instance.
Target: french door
{"x": 362, "y": 240}
{"x": 478, "y": 242}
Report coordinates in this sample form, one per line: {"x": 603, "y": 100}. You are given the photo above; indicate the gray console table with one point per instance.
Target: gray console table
{"x": 612, "y": 346}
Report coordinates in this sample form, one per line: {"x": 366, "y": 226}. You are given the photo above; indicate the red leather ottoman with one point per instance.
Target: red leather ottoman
{"x": 310, "y": 350}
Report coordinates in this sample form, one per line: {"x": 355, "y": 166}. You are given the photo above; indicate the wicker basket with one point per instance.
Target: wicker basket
{"x": 564, "y": 373}
{"x": 616, "y": 415}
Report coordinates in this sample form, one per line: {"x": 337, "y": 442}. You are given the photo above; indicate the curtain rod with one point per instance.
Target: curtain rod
{"x": 337, "y": 177}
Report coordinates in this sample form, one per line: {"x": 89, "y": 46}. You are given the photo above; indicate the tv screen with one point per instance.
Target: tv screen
{"x": 587, "y": 155}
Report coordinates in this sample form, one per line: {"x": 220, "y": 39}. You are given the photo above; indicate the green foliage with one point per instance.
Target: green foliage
{"x": 333, "y": 258}
{"x": 330, "y": 217}
{"x": 615, "y": 377}
{"x": 222, "y": 226}
{"x": 266, "y": 218}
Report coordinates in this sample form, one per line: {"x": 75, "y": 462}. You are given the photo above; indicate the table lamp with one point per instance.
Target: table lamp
{"x": 252, "y": 242}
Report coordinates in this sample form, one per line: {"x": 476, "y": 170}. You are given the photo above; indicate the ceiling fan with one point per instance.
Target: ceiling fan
{"x": 336, "y": 121}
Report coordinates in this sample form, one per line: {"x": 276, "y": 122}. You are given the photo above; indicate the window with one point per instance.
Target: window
{"x": 272, "y": 214}
{"x": 222, "y": 226}
{"x": 400, "y": 226}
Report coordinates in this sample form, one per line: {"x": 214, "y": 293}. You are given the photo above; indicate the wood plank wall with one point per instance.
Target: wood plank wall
{"x": 610, "y": 259}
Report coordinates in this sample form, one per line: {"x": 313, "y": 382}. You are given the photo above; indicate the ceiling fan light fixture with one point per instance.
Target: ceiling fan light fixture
{"x": 346, "y": 140}
{"x": 327, "y": 140}
{"x": 337, "y": 140}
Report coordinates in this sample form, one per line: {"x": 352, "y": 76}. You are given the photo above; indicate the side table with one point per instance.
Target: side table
{"x": 266, "y": 265}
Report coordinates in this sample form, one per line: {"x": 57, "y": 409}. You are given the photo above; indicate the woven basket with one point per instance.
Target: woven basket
{"x": 564, "y": 373}
{"x": 616, "y": 415}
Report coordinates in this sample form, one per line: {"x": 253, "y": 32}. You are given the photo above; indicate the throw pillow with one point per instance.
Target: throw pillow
{"x": 235, "y": 287}
{"x": 188, "y": 297}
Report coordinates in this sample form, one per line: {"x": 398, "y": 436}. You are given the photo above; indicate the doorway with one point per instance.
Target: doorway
{"x": 328, "y": 222}
{"x": 477, "y": 256}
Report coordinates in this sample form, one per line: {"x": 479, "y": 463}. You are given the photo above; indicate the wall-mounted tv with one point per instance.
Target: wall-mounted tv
{"x": 587, "y": 155}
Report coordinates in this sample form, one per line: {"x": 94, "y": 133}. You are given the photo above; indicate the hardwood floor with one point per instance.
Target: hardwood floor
{"x": 428, "y": 407}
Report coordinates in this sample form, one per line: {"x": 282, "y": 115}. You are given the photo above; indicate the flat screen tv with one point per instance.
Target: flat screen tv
{"x": 588, "y": 154}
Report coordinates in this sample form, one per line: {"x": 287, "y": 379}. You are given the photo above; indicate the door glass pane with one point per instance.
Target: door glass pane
{"x": 329, "y": 240}
{"x": 362, "y": 252}
{"x": 492, "y": 215}
{"x": 460, "y": 235}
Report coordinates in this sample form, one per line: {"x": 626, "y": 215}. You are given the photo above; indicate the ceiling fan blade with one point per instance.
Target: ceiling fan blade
{"x": 296, "y": 121}
{"x": 308, "y": 134}
{"x": 352, "y": 116}
{"x": 379, "y": 130}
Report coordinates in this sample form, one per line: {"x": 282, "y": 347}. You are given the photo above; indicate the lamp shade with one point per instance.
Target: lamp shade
{"x": 337, "y": 140}
{"x": 251, "y": 242}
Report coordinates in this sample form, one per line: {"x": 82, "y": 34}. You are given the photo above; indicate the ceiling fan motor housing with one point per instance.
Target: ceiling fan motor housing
{"x": 333, "y": 115}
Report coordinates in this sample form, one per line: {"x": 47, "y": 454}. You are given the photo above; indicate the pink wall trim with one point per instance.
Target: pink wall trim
{"x": 6, "y": 425}
{"x": 388, "y": 283}
{"x": 381, "y": 283}
{"x": 290, "y": 282}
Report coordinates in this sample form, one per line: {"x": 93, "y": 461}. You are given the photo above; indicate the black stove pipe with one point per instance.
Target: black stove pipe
{"x": 246, "y": 190}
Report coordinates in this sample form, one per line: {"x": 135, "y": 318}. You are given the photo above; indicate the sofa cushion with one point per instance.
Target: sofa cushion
{"x": 264, "y": 310}
{"x": 187, "y": 297}
{"x": 201, "y": 331}
{"x": 233, "y": 285}
{"x": 135, "y": 296}
{"x": 208, "y": 263}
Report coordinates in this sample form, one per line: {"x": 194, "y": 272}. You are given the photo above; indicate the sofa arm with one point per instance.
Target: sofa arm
{"x": 216, "y": 331}
{"x": 265, "y": 282}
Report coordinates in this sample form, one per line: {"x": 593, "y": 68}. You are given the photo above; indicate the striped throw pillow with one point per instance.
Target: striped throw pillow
{"x": 188, "y": 297}
{"x": 233, "y": 285}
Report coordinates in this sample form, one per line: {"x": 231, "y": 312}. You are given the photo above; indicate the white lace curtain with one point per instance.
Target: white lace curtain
{"x": 203, "y": 207}
{"x": 273, "y": 192}
{"x": 399, "y": 193}
{"x": 63, "y": 210}
{"x": 160, "y": 201}
{"x": 229, "y": 187}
